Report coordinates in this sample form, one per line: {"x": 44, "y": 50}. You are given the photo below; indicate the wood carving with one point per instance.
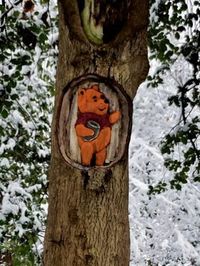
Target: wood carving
{"x": 94, "y": 125}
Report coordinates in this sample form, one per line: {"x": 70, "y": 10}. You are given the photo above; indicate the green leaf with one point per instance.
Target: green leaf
{"x": 14, "y": 96}
{"x": 4, "y": 113}
{"x": 43, "y": 37}
{"x": 197, "y": 178}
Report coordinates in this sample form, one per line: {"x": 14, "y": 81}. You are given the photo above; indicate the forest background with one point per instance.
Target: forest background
{"x": 164, "y": 197}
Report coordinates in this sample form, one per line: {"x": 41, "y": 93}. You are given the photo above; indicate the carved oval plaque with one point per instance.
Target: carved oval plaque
{"x": 94, "y": 122}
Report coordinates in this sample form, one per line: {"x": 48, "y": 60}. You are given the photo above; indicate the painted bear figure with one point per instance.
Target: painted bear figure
{"x": 93, "y": 125}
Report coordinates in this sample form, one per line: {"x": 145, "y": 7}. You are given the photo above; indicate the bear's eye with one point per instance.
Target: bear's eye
{"x": 102, "y": 97}
{"x": 94, "y": 98}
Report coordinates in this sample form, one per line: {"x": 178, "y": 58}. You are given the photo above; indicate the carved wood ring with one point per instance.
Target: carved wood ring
{"x": 94, "y": 122}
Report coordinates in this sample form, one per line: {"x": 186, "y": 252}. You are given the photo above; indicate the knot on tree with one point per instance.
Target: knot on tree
{"x": 96, "y": 179}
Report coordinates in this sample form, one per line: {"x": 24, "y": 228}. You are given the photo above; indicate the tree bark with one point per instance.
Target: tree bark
{"x": 88, "y": 209}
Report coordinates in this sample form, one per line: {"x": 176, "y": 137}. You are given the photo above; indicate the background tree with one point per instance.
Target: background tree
{"x": 28, "y": 45}
{"x": 163, "y": 233}
{"x": 175, "y": 36}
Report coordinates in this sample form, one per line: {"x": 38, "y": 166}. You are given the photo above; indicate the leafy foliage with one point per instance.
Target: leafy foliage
{"x": 165, "y": 226}
{"x": 174, "y": 34}
{"x": 29, "y": 44}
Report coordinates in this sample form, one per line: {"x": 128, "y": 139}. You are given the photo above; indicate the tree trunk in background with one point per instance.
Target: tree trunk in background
{"x": 89, "y": 226}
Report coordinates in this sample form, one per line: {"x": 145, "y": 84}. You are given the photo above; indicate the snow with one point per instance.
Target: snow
{"x": 53, "y": 38}
{"x": 5, "y": 162}
{"x": 8, "y": 207}
{"x": 43, "y": 152}
{"x": 153, "y": 9}
{"x": 164, "y": 228}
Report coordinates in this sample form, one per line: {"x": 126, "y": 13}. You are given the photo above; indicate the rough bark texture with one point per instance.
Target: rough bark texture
{"x": 88, "y": 210}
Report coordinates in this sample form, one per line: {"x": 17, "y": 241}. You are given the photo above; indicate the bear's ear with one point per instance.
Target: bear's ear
{"x": 95, "y": 87}
{"x": 81, "y": 91}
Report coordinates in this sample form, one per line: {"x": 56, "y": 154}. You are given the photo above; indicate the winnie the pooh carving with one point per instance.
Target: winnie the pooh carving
{"x": 94, "y": 125}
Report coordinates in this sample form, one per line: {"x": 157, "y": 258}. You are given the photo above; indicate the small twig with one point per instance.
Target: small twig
{"x": 183, "y": 92}
{"x": 27, "y": 113}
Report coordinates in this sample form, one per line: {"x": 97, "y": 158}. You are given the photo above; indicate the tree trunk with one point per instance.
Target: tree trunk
{"x": 88, "y": 206}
